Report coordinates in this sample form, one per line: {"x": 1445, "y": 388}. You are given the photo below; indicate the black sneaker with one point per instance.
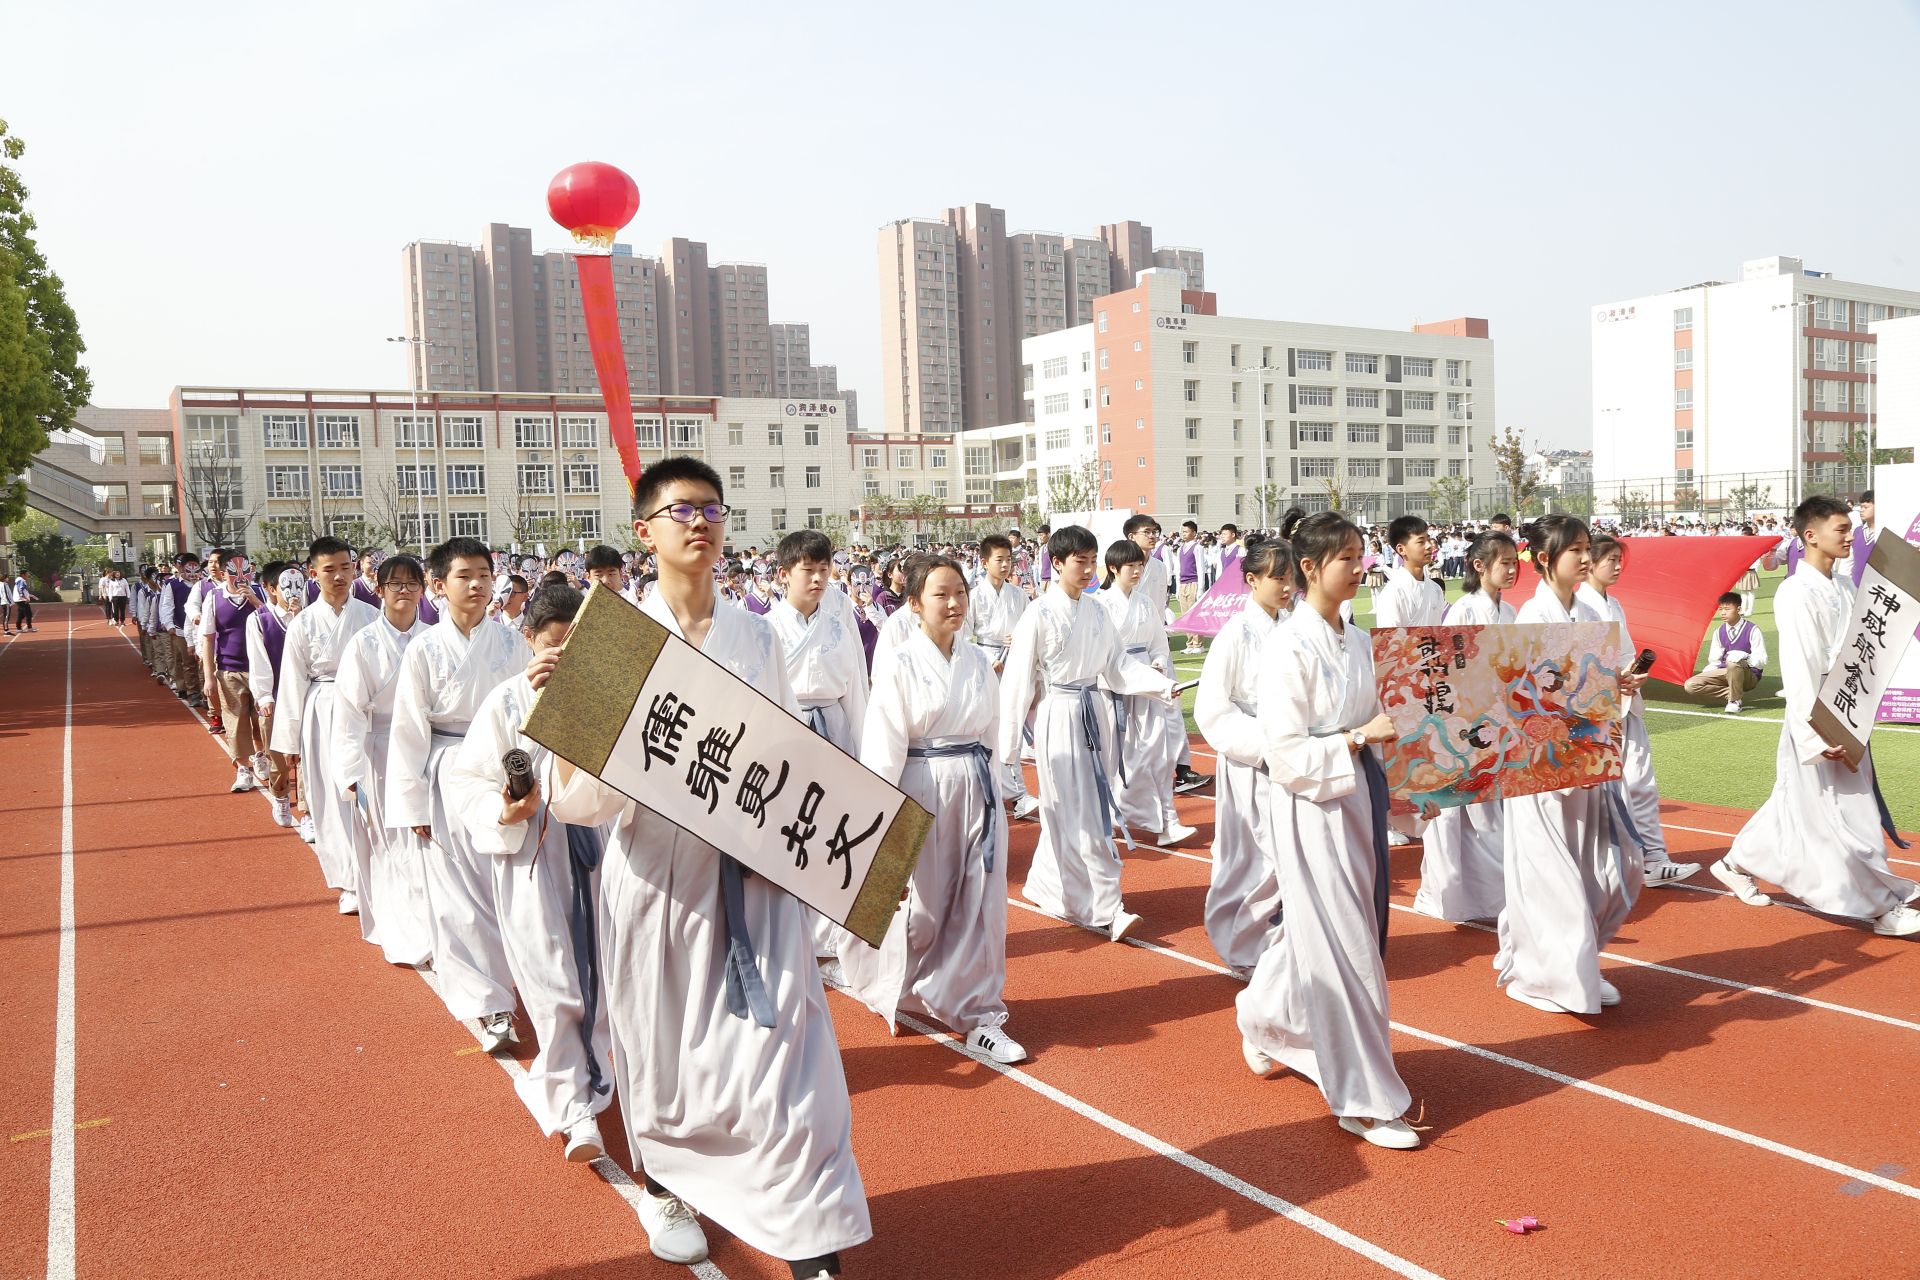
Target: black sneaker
{"x": 1185, "y": 780}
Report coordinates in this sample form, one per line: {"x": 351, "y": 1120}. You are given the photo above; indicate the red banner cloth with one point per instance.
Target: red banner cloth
{"x": 1670, "y": 588}
{"x": 609, "y": 360}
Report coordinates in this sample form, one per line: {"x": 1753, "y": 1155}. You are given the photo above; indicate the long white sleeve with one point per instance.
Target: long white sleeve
{"x": 259, "y": 664}
{"x": 166, "y": 609}
{"x": 1757, "y": 656}
{"x": 295, "y": 670}
{"x": 583, "y": 799}
{"x": 883, "y": 739}
{"x": 409, "y": 795}
{"x": 353, "y": 698}
{"x": 1312, "y": 766}
{"x": 475, "y": 778}
{"x": 1016, "y": 684}
{"x": 1227, "y": 729}
{"x": 1803, "y": 666}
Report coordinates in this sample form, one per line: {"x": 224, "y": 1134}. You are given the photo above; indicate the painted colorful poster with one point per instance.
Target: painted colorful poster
{"x": 1485, "y": 713}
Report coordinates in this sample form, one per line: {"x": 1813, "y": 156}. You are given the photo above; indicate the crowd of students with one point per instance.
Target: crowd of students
{"x": 380, "y": 698}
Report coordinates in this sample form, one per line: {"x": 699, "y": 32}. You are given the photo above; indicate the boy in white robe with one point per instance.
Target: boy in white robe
{"x": 443, "y": 679}
{"x": 1317, "y": 1002}
{"x": 1243, "y": 891}
{"x": 1148, "y": 741}
{"x": 744, "y": 1114}
{"x": 1820, "y": 835}
{"x": 1144, "y": 532}
{"x": 394, "y": 909}
{"x": 1411, "y": 598}
{"x": 994, "y": 607}
{"x": 544, "y": 873}
{"x": 1637, "y": 783}
{"x": 266, "y": 643}
{"x": 1064, "y": 651}
{"x": 1462, "y": 860}
{"x": 303, "y": 709}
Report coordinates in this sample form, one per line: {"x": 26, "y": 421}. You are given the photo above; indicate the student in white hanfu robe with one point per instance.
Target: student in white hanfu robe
{"x": 1064, "y": 652}
{"x": 934, "y": 709}
{"x": 994, "y": 608}
{"x": 1317, "y": 1003}
{"x": 1572, "y": 868}
{"x": 1463, "y": 857}
{"x": 1412, "y": 597}
{"x": 1145, "y": 745}
{"x": 1820, "y": 835}
{"x": 731, "y": 1088}
{"x": 391, "y": 860}
{"x": 303, "y": 710}
{"x": 1243, "y": 892}
{"x": 826, "y": 664}
{"x": 444, "y": 677}
{"x": 895, "y": 630}
{"x": 1637, "y": 784}
{"x": 544, "y": 873}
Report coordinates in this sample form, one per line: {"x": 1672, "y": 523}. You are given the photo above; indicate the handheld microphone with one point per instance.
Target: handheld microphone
{"x": 1642, "y": 664}
{"x": 519, "y": 767}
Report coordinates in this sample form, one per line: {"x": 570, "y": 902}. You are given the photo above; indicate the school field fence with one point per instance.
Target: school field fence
{"x": 1729, "y": 496}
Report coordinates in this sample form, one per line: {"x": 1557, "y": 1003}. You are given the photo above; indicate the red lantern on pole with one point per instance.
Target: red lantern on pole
{"x": 593, "y": 201}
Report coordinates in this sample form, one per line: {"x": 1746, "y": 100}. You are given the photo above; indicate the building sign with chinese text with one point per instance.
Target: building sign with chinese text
{"x": 657, "y": 720}
{"x": 812, "y": 408}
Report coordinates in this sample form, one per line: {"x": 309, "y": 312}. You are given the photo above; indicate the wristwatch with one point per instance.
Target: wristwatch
{"x": 1358, "y": 739}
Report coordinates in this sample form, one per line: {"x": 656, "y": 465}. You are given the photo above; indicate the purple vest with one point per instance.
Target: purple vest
{"x": 1741, "y": 639}
{"x": 428, "y": 614}
{"x": 181, "y": 590}
{"x": 361, "y": 591}
{"x": 274, "y": 633}
{"x": 1189, "y": 568}
{"x": 755, "y": 604}
{"x": 230, "y": 630}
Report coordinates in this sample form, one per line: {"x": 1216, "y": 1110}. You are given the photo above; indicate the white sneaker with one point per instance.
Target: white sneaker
{"x": 1901, "y": 922}
{"x": 262, "y": 767}
{"x": 1733, "y": 708}
{"x": 997, "y": 1044}
{"x": 1395, "y": 839}
{"x": 496, "y": 1031}
{"x": 1025, "y": 807}
{"x": 1174, "y": 834}
{"x": 1741, "y": 883}
{"x": 242, "y": 780}
{"x": 584, "y": 1144}
{"x": 1660, "y": 875}
{"x": 1121, "y": 923}
{"x": 349, "y": 903}
{"x": 673, "y": 1229}
{"x": 306, "y": 829}
{"x": 282, "y": 812}
{"x": 1609, "y": 994}
{"x": 1257, "y": 1059}
{"x": 1395, "y": 1134}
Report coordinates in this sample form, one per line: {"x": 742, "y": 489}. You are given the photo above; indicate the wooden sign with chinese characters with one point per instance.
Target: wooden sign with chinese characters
{"x": 1885, "y": 605}
{"x": 1486, "y": 713}
{"x": 653, "y": 717}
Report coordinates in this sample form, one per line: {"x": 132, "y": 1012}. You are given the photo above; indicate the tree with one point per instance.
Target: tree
{"x": 881, "y": 517}
{"x": 1272, "y": 498}
{"x": 1336, "y": 497}
{"x": 1857, "y": 456}
{"x": 1745, "y": 497}
{"x": 1634, "y": 507}
{"x": 43, "y": 552}
{"x": 1449, "y": 497}
{"x": 1074, "y": 488}
{"x": 1510, "y": 464}
{"x": 216, "y": 498}
{"x": 42, "y": 382}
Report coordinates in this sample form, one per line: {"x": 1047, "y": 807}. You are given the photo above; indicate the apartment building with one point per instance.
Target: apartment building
{"x": 796, "y": 377}
{"x": 1763, "y": 379}
{"x": 1188, "y": 413}
{"x": 497, "y": 316}
{"x": 958, "y": 295}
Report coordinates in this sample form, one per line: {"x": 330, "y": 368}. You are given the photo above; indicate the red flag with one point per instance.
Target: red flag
{"x": 1670, "y": 588}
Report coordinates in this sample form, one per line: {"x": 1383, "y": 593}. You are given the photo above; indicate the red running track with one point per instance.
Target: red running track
{"x": 256, "y": 1093}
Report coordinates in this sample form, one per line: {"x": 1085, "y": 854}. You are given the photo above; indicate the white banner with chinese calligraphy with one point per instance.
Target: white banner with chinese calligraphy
{"x": 1885, "y": 605}
{"x": 651, "y": 716}
{"x": 1486, "y": 713}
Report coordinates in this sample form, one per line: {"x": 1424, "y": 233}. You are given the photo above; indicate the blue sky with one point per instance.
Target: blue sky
{"x": 226, "y": 188}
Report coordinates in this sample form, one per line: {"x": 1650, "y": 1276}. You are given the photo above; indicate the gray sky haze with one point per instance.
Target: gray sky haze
{"x": 226, "y": 189}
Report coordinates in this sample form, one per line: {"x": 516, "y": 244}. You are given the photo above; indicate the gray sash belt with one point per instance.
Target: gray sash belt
{"x": 983, "y": 773}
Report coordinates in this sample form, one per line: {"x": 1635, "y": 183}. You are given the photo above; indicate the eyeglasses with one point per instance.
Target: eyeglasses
{"x": 401, "y": 584}
{"x": 683, "y": 512}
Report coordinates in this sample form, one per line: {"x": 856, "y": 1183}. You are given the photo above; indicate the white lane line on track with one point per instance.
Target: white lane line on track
{"x": 1572, "y": 1082}
{"x": 1728, "y": 835}
{"x": 1722, "y": 716}
{"x": 1775, "y": 992}
{"x": 609, "y": 1170}
{"x": 62, "y": 1229}
{"x": 1212, "y": 1172}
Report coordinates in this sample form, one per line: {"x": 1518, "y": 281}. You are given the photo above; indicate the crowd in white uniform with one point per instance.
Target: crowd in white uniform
{"x": 650, "y": 965}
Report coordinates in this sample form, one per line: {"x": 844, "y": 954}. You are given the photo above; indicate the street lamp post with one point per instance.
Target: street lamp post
{"x": 416, "y": 361}
{"x": 1799, "y": 431}
{"x": 1260, "y": 373}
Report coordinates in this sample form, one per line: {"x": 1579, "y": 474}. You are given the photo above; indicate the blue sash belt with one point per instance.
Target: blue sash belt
{"x": 1616, "y": 793}
{"x": 1377, "y": 801}
{"x": 1090, "y": 732}
{"x": 1120, "y": 719}
{"x": 816, "y": 718}
{"x": 583, "y": 855}
{"x": 746, "y": 992}
{"x": 983, "y": 773}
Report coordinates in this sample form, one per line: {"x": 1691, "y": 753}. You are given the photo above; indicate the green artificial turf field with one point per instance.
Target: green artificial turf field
{"x": 1706, "y": 756}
